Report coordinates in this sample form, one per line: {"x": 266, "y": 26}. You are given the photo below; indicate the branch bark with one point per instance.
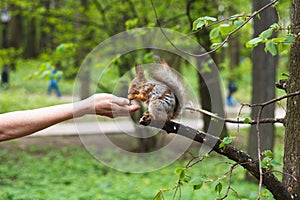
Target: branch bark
{"x": 236, "y": 121}
{"x": 251, "y": 165}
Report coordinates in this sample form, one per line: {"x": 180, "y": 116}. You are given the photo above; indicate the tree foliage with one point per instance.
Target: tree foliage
{"x": 62, "y": 32}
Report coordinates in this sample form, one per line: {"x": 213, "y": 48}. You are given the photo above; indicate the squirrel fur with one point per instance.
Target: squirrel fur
{"x": 165, "y": 96}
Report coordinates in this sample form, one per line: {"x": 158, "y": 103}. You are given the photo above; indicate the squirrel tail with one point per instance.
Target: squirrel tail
{"x": 164, "y": 74}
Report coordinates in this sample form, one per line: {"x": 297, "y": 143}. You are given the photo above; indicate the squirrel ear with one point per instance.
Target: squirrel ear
{"x": 139, "y": 72}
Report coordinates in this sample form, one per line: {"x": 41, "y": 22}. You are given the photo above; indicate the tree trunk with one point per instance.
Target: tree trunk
{"x": 292, "y": 131}
{"x": 263, "y": 79}
{"x": 15, "y": 36}
{"x": 82, "y": 52}
{"x": 31, "y": 47}
{"x": 203, "y": 77}
{"x": 45, "y": 41}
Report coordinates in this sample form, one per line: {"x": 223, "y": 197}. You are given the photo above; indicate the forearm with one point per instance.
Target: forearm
{"x": 21, "y": 123}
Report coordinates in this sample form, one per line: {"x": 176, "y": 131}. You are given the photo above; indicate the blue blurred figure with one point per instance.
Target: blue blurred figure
{"x": 5, "y": 77}
{"x": 232, "y": 88}
{"x": 53, "y": 85}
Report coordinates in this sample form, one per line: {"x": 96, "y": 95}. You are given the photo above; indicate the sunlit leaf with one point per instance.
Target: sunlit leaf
{"x": 289, "y": 38}
{"x": 266, "y": 33}
{"x": 255, "y": 41}
{"x": 271, "y": 47}
{"x": 247, "y": 120}
{"x": 237, "y": 23}
{"x": 275, "y": 163}
{"x": 214, "y": 33}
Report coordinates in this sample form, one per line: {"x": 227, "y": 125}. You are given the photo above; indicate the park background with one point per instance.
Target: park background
{"x": 44, "y": 34}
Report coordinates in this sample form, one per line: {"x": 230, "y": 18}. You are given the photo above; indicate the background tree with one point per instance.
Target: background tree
{"x": 292, "y": 122}
{"x": 263, "y": 79}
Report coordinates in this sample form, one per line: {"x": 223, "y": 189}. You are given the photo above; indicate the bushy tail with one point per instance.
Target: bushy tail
{"x": 163, "y": 73}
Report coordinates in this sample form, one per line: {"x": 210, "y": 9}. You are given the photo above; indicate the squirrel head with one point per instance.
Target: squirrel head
{"x": 137, "y": 83}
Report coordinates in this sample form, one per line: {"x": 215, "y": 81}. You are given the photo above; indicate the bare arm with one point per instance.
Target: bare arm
{"x": 22, "y": 123}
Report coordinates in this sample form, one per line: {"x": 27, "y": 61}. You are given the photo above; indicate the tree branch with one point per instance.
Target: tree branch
{"x": 274, "y": 100}
{"x": 253, "y": 122}
{"x": 251, "y": 165}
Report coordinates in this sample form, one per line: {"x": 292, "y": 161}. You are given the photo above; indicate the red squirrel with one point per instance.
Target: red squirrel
{"x": 165, "y": 96}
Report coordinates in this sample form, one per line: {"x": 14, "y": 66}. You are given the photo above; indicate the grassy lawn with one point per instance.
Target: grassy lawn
{"x": 45, "y": 169}
{"x": 29, "y": 94}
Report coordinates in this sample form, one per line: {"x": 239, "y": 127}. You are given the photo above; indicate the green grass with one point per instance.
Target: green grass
{"x": 58, "y": 172}
{"x": 28, "y": 94}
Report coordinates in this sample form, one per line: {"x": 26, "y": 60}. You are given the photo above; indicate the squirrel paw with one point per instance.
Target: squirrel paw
{"x": 146, "y": 119}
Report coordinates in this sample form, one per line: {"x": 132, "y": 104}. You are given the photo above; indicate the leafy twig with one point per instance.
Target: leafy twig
{"x": 222, "y": 43}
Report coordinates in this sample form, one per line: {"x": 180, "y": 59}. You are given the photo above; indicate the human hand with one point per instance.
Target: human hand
{"x": 107, "y": 105}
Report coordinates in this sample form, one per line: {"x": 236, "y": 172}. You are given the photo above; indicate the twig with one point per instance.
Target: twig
{"x": 273, "y": 100}
{"x": 265, "y": 120}
{"x": 293, "y": 177}
{"x": 259, "y": 151}
{"x": 224, "y": 41}
{"x": 229, "y": 180}
{"x": 177, "y": 187}
{"x": 238, "y": 118}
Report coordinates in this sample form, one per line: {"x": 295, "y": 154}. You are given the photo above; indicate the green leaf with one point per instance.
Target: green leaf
{"x": 270, "y": 46}
{"x": 278, "y": 39}
{"x": 237, "y": 23}
{"x": 289, "y": 38}
{"x": 182, "y": 175}
{"x": 218, "y": 187}
{"x": 196, "y": 180}
{"x": 263, "y": 164}
{"x": 255, "y": 41}
{"x": 215, "y": 45}
{"x": 275, "y": 26}
{"x": 208, "y": 18}
{"x": 61, "y": 48}
{"x": 268, "y": 153}
{"x": 225, "y": 29}
{"x": 214, "y": 33}
{"x": 197, "y": 187}
{"x": 225, "y": 141}
{"x": 275, "y": 163}
{"x": 266, "y": 33}
{"x": 247, "y": 120}
{"x": 202, "y": 22}
{"x": 221, "y": 145}
{"x": 198, "y": 24}
{"x": 178, "y": 170}
{"x": 228, "y": 140}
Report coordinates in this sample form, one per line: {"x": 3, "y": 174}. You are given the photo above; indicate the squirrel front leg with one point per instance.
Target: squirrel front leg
{"x": 157, "y": 111}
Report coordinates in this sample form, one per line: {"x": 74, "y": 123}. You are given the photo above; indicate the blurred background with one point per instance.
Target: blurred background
{"x": 43, "y": 45}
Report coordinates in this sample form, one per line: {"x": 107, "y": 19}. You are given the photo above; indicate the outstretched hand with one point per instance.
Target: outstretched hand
{"x": 108, "y": 105}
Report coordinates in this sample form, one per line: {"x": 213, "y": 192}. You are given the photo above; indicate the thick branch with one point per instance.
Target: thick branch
{"x": 252, "y": 166}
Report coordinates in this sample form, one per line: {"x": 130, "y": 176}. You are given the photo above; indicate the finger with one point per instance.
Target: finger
{"x": 133, "y": 108}
{"x": 119, "y": 111}
{"x": 120, "y": 101}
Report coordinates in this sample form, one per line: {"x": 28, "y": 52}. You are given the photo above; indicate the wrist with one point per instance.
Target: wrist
{"x": 82, "y": 108}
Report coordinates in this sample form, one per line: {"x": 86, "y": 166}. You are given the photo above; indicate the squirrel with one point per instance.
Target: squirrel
{"x": 165, "y": 96}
